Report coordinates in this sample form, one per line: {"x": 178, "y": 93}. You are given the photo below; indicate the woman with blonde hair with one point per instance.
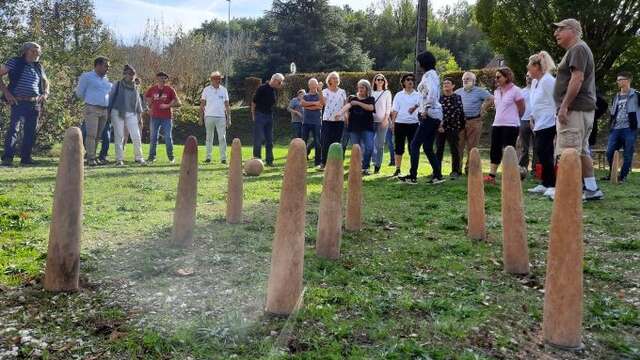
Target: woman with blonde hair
{"x": 332, "y": 119}
{"x": 543, "y": 118}
{"x": 383, "y": 98}
{"x": 361, "y": 108}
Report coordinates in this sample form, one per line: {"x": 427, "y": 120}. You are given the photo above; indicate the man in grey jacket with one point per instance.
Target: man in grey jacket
{"x": 623, "y": 124}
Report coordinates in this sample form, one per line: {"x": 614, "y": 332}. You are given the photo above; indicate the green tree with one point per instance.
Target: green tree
{"x": 317, "y": 43}
{"x": 456, "y": 29}
{"x": 518, "y": 28}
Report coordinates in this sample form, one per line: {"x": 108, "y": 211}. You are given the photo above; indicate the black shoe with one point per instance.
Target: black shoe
{"x": 102, "y": 161}
{"x": 376, "y": 170}
{"x": 436, "y": 180}
{"x": 27, "y": 162}
{"x": 7, "y": 163}
{"x": 365, "y": 172}
{"x": 392, "y": 163}
{"x": 408, "y": 179}
{"x": 454, "y": 175}
{"x": 207, "y": 161}
{"x": 396, "y": 173}
{"x": 151, "y": 159}
{"x": 606, "y": 178}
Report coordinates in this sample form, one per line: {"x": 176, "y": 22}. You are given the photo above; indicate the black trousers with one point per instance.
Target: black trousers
{"x": 403, "y": 133}
{"x": 451, "y": 137}
{"x": 544, "y": 150}
{"x": 501, "y": 137}
{"x": 330, "y": 133}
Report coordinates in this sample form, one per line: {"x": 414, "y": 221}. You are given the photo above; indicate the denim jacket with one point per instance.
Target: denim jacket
{"x": 632, "y": 109}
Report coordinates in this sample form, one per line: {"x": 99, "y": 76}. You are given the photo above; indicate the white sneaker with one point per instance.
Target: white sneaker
{"x": 550, "y": 192}
{"x": 592, "y": 195}
{"x": 538, "y": 190}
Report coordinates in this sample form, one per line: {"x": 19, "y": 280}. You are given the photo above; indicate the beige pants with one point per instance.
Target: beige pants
{"x": 575, "y": 133}
{"x": 469, "y": 137}
{"x": 130, "y": 120}
{"x": 95, "y": 118}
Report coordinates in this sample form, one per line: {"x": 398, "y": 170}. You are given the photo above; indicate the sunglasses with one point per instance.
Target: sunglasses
{"x": 410, "y": 79}
{"x": 379, "y": 79}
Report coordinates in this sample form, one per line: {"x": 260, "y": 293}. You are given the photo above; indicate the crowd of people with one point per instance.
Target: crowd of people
{"x": 550, "y": 114}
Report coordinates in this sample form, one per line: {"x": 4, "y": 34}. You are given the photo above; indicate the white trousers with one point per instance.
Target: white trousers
{"x": 219, "y": 124}
{"x": 118, "y": 122}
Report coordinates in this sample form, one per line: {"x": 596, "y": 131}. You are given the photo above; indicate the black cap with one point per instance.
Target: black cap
{"x": 162, "y": 73}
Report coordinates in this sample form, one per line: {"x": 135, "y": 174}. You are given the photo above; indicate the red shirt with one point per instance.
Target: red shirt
{"x": 160, "y": 96}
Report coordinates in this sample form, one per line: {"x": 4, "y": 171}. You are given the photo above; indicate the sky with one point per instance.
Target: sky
{"x": 127, "y": 18}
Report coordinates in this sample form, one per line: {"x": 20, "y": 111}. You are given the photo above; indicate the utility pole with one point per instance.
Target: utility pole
{"x": 421, "y": 33}
{"x": 228, "y": 47}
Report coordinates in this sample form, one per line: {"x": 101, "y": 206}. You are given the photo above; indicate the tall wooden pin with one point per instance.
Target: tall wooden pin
{"x": 515, "y": 251}
{"x": 184, "y": 216}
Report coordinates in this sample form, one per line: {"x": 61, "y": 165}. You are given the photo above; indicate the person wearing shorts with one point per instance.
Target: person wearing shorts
{"x": 575, "y": 97}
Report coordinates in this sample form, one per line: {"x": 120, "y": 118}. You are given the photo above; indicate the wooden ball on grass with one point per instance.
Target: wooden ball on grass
{"x": 253, "y": 167}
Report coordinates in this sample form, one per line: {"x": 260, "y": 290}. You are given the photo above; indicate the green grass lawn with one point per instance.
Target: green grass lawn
{"x": 409, "y": 285}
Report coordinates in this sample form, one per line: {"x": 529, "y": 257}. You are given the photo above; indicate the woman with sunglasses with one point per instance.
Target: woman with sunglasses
{"x": 404, "y": 118}
{"x": 382, "y": 97}
{"x": 359, "y": 121}
{"x": 510, "y": 106}
{"x": 125, "y": 108}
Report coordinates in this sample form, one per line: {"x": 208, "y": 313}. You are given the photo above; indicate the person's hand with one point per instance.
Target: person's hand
{"x": 563, "y": 115}
{"x": 354, "y": 103}
{"x": 440, "y": 129}
{"x": 253, "y": 117}
{"x": 413, "y": 109}
{"x": 42, "y": 98}
{"x": 337, "y": 117}
{"x": 11, "y": 100}
{"x": 384, "y": 123}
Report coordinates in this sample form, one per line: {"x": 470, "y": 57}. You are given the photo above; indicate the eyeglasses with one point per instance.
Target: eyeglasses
{"x": 378, "y": 79}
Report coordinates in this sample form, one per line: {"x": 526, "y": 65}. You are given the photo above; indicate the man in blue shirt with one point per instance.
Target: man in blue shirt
{"x": 93, "y": 88}
{"x": 312, "y": 102}
{"x": 28, "y": 88}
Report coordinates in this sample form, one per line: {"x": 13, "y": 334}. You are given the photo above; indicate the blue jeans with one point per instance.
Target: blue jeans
{"x": 314, "y": 129}
{"x": 365, "y": 140}
{"x": 296, "y": 129}
{"x": 389, "y": 140}
{"x": 23, "y": 112}
{"x": 105, "y": 138}
{"x": 263, "y": 133}
{"x": 378, "y": 148}
{"x": 626, "y": 139}
{"x": 425, "y": 137}
{"x": 166, "y": 126}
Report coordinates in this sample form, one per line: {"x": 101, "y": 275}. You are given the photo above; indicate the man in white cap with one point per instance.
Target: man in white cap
{"x": 215, "y": 113}
{"x": 575, "y": 97}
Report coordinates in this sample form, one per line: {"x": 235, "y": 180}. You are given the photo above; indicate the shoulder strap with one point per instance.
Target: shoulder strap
{"x": 115, "y": 95}
{"x": 379, "y": 96}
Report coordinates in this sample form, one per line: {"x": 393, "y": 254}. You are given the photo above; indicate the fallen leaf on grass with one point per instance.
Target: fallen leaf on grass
{"x": 185, "y": 272}
{"x": 116, "y": 335}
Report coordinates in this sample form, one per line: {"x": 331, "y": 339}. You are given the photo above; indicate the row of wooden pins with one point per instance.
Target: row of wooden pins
{"x": 562, "y": 315}
{"x": 285, "y": 281}
{"x": 562, "y": 319}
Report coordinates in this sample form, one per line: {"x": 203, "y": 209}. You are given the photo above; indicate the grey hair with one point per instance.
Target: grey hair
{"x": 333, "y": 74}
{"x": 28, "y": 46}
{"x": 366, "y": 84}
{"x": 471, "y": 75}
{"x": 277, "y": 76}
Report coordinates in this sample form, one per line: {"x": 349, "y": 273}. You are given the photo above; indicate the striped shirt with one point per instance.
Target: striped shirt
{"x": 28, "y": 83}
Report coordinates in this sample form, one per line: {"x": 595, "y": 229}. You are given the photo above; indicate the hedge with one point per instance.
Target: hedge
{"x": 186, "y": 121}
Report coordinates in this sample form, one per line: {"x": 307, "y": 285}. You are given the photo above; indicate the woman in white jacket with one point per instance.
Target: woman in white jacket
{"x": 382, "y": 96}
{"x": 543, "y": 118}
